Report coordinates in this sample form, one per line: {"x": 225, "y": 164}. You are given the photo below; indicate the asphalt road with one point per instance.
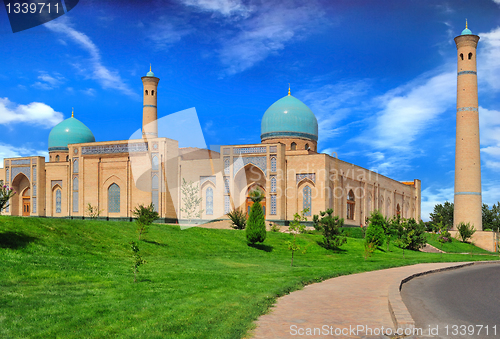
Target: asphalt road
{"x": 456, "y": 303}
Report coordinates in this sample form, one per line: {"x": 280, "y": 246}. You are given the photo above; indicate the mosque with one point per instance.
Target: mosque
{"x": 117, "y": 176}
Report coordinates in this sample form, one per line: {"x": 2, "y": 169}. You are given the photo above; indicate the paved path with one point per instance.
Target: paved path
{"x": 338, "y": 304}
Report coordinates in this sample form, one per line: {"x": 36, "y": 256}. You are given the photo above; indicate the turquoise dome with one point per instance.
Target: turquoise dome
{"x": 150, "y": 74}
{"x": 289, "y": 117}
{"x": 69, "y": 131}
{"x": 466, "y": 32}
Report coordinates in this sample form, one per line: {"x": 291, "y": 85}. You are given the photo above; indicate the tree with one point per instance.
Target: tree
{"x": 238, "y": 219}
{"x": 5, "y": 194}
{"x": 466, "y": 231}
{"x": 191, "y": 200}
{"x": 145, "y": 216}
{"x": 375, "y": 232}
{"x": 443, "y": 213}
{"x": 256, "y": 224}
{"x": 391, "y": 228}
{"x": 411, "y": 235}
{"x": 138, "y": 260}
{"x": 331, "y": 227}
{"x": 296, "y": 227}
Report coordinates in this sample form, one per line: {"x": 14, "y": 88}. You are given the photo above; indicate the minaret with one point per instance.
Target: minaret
{"x": 467, "y": 159}
{"x": 149, "y": 110}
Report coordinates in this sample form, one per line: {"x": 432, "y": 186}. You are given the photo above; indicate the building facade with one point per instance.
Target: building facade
{"x": 117, "y": 176}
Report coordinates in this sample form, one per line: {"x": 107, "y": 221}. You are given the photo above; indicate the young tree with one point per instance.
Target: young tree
{"x": 145, "y": 216}
{"x": 5, "y": 194}
{"x": 92, "y": 211}
{"x": 296, "y": 227}
{"x": 404, "y": 236}
{"x": 256, "y": 224}
{"x": 138, "y": 260}
{"x": 331, "y": 227}
{"x": 191, "y": 200}
{"x": 466, "y": 231}
{"x": 375, "y": 233}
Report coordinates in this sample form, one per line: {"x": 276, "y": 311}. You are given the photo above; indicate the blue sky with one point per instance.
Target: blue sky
{"x": 380, "y": 76}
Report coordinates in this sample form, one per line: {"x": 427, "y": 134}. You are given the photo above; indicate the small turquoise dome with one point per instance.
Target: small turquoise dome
{"x": 69, "y": 131}
{"x": 289, "y": 117}
{"x": 466, "y": 32}
{"x": 150, "y": 74}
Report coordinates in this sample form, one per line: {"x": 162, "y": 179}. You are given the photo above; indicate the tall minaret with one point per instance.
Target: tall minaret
{"x": 149, "y": 110}
{"x": 467, "y": 159}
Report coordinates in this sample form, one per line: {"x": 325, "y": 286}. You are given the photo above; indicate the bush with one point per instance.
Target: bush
{"x": 416, "y": 230}
{"x": 330, "y": 225}
{"x": 466, "y": 231}
{"x": 145, "y": 216}
{"x": 238, "y": 218}
{"x": 256, "y": 224}
{"x": 375, "y": 233}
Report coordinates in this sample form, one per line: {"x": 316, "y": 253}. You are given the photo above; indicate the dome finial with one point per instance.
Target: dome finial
{"x": 150, "y": 73}
{"x": 150, "y": 63}
{"x": 288, "y": 88}
{"x": 466, "y": 24}
{"x": 72, "y": 112}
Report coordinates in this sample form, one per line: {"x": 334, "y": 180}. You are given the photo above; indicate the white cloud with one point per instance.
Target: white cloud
{"x": 488, "y": 62}
{"x": 167, "y": 33}
{"x": 222, "y": 7}
{"x": 266, "y": 32}
{"x": 106, "y": 77}
{"x": 496, "y": 1}
{"x": 36, "y": 113}
{"x": 9, "y": 151}
{"x": 489, "y": 128}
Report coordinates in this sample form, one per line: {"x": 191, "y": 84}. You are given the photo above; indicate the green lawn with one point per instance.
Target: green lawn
{"x": 73, "y": 278}
{"x": 455, "y": 246}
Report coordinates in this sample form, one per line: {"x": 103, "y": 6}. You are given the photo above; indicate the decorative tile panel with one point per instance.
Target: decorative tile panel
{"x": 34, "y": 191}
{"x": 273, "y": 204}
{"x": 273, "y": 149}
{"x": 154, "y": 198}
{"x": 121, "y": 148}
{"x": 273, "y": 164}
{"x": 260, "y": 162}
{"x": 75, "y": 165}
{"x": 273, "y": 184}
{"x": 249, "y": 150}
{"x": 33, "y": 207}
{"x": 226, "y": 165}
{"x": 209, "y": 203}
{"x": 6, "y": 175}
{"x": 306, "y": 200}
{"x": 204, "y": 179}
{"x": 467, "y": 72}
{"x": 34, "y": 173}
{"x": 226, "y": 185}
{"x": 21, "y": 162}
{"x": 227, "y": 204}
{"x": 24, "y": 170}
{"x": 310, "y": 176}
{"x": 226, "y": 151}
{"x": 75, "y": 201}
{"x": 33, "y": 161}
{"x": 461, "y": 109}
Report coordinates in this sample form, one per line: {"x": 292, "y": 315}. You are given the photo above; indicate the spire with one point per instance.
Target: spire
{"x": 465, "y": 27}
{"x": 466, "y": 24}
{"x": 288, "y": 88}
{"x": 72, "y": 112}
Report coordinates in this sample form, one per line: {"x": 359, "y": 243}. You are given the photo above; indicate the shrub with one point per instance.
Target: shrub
{"x": 418, "y": 238}
{"x": 138, "y": 261}
{"x": 145, "y": 216}
{"x": 256, "y": 224}
{"x": 238, "y": 219}
{"x": 92, "y": 211}
{"x": 466, "y": 231}
{"x": 330, "y": 225}
{"x": 274, "y": 227}
{"x": 296, "y": 227}
{"x": 5, "y": 194}
{"x": 375, "y": 233}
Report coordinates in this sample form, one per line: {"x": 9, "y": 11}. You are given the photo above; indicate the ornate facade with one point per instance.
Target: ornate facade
{"x": 117, "y": 176}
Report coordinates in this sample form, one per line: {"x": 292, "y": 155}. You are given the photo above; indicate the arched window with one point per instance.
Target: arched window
{"x": 273, "y": 184}
{"x": 153, "y": 92}
{"x": 461, "y": 56}
{"x": 273, "y": 164}
{"x": 351, "y": 204}
{"x": 155, "y": 163}
{"x": 293, "y": 146}
{"x": 306, "y": 147}
{"x": 67, "y": 158}
{"x": 146, "y": 92}
{"x": 57, "y": 158}
{"x": 209, "y": 202}
{"x": 273, "y": 204}
{"x": 306, "y": 200}
{"x": 58, "y": 201}
{"x": 75, "y": 184}
{"x": 75, "y": 166}
{"x": 154, "y": 182}
{"x": 114, "y": 199}
{"x": 470, "y": 56}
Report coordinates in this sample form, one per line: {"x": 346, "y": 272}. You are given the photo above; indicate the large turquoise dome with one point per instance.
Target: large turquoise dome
{"x": 289, "y": 118}
{"x": 69, "y": 131}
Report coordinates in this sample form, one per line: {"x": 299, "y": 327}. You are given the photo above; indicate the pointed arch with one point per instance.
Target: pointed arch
{"x": 209, "y": 201}
{"x": 58, "y": 200}
{"x": 351, "y": 205}
{"x": 114, "y": 198}
{"x": 306, "y": 200}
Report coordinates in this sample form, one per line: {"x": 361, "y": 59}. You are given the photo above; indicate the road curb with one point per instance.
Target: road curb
{"x": 400, "y": 315}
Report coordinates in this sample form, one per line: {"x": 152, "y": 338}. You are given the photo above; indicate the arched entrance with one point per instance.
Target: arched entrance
{"x": 26, "y": 202}
{"x": 21, "y": 185}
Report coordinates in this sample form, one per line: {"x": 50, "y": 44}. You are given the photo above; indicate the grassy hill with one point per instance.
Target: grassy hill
{"x": 73, "y": 278}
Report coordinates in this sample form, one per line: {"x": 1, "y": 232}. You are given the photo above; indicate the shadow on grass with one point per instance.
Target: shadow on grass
{"x": 15, "y": 240}
{"x": 155, "y": 243}
{"x": 262, "y": 247}
{"x": 330, "y": 248}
